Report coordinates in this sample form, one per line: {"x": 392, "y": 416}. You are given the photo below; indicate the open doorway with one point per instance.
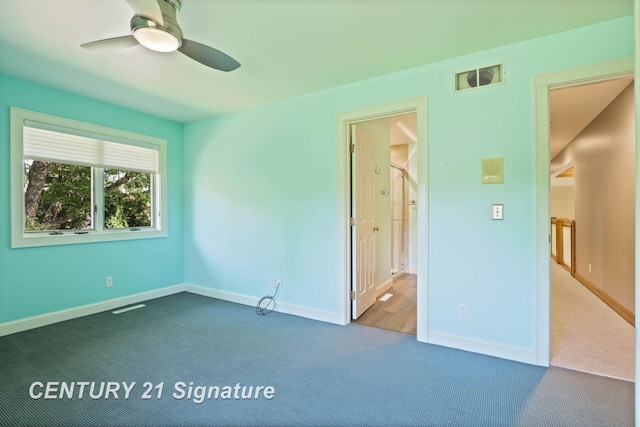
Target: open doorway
{"x": 347, "y": 268}
{"x": 383, "y": 201}
{"x": 592, "y": 284}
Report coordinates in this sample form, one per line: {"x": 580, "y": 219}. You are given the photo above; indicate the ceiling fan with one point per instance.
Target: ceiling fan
{"x": 155, "y": 27}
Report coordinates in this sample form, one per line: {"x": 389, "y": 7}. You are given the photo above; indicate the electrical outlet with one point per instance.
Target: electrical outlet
{"x": 108, "y": 282}
{"x": 589, "y": 268}
{"x": 278, "y": 282}
{"x": 273, "y": 282}
{"x": 463, "y": 311}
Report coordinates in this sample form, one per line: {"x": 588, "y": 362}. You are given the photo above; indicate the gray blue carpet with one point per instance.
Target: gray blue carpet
{"x": 321, "y": 374}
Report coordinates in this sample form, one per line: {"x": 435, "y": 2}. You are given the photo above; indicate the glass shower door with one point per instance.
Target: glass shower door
{"x": 397, "y": 220}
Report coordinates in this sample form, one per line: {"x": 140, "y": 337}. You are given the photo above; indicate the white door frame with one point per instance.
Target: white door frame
{"x": 542, "y": 279}
{"x": 343, "y": 252}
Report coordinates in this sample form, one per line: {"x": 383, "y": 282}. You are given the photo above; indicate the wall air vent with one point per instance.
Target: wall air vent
{"x": 479, "y": 77}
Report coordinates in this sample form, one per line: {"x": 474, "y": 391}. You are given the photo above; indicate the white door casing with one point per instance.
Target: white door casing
{"x": 543, "y": 83}
{"x": 364, "y": 212}
{"x": 344, "y": 247}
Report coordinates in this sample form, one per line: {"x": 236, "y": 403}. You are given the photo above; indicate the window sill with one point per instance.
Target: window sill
{"x": 27, "y": 240}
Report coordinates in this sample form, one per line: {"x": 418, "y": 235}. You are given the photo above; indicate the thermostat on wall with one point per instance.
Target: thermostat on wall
{"x": 492, "y": 172}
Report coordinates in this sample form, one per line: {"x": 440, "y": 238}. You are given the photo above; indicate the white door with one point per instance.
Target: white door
{"x": 363, "y": 234}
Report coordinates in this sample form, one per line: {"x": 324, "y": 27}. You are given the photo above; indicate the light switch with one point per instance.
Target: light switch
{"x": 497, "y": 211}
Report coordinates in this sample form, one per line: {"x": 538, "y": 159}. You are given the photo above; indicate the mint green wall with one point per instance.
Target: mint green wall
{"x": 260, "y": 191}
{"x": 36, "y": 281}
{"x": 259, "y": 195}
{"x": 261, "y": 187}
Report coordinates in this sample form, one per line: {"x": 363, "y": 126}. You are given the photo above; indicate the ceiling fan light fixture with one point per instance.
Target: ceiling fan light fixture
{"x": 157, "y": 39}
{"x": 155, "y": 26}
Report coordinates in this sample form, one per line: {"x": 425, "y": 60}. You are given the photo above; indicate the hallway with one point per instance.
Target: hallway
{"x": 586, "y": 334}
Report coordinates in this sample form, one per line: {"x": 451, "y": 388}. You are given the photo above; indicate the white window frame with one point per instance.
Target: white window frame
{"x": 22, "y": 239}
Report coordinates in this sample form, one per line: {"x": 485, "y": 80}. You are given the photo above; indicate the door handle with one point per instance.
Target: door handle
{"x": 376, "y": 228}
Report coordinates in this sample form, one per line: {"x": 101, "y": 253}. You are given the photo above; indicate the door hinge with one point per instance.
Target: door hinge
{"x": 352, "y": 222}
{"x": 352, "y": 295}
{"x": 353, "y": 148}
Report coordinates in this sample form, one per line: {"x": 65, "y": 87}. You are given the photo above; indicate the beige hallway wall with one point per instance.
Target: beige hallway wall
{"x": 604, "y": 160}
{"x": 563, "y": 201}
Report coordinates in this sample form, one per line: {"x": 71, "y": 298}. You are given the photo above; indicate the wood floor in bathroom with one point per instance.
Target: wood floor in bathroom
{"x": 399, "y": 312}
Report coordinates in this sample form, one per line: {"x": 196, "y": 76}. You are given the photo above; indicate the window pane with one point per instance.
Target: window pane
{"x": 127, "y": 199}
{"x": 57, "y": 196}
{"x": 62, "y": 192}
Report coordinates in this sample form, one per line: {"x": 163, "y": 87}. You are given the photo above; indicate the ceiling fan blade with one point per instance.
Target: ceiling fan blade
{"x": 208, "y": 56}
{"x": 150, "y": 9}
{"x": 113, "y": 43}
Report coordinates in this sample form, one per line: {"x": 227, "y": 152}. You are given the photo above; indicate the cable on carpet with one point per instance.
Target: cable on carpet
{"x": 267, "y": 304}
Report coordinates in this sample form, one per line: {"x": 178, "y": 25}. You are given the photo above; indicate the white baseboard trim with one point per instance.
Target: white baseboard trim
{"x": 25, "y": 324}
{"x": 515, "y": 353}
{"x": 384, "y": 287}
{"x": 503, "y": 351}
{"x": 281, "y": 307}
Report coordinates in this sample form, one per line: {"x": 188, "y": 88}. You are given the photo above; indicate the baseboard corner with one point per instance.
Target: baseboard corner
{"x": 20, "y": 325}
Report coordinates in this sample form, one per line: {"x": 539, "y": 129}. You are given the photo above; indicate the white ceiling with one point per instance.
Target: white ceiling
{"x": 286, "y": 47}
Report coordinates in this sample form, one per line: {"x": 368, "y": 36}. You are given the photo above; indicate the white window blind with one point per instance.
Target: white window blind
{"x": 45, "y": 143}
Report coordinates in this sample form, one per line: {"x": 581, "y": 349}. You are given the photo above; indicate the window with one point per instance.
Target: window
{"x": 73, "y": 182}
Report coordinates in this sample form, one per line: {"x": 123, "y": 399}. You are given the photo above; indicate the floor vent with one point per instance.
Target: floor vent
{"x": 129, "y": 308}
{"x": 385, "y": 297}
{"x": 479, "y": 77}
